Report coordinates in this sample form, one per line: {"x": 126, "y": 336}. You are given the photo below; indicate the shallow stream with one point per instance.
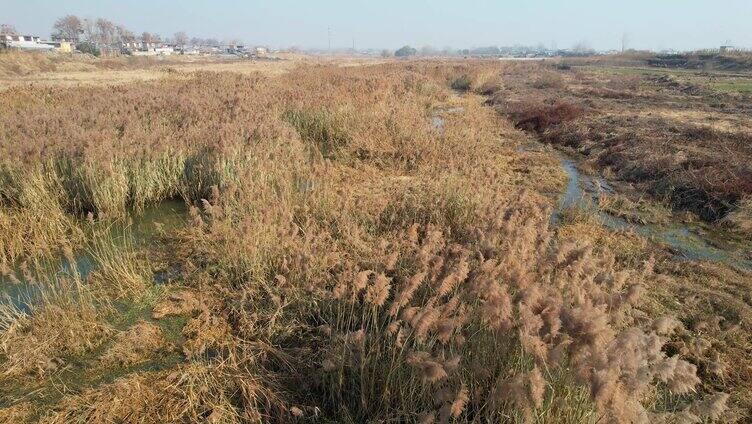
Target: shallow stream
{"x": 583, "y": 191}
{"x": 686, "y": 241}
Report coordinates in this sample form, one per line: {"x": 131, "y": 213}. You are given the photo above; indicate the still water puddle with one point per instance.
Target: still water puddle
{"x": 78, "y": 373}
{"x": 140, "y": 230}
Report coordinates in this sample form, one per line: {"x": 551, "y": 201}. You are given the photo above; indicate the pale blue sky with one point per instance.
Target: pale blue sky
{"x": 657, "y": 24}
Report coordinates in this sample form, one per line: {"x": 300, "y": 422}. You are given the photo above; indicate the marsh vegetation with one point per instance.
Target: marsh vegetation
{"x": 342, "y": 259}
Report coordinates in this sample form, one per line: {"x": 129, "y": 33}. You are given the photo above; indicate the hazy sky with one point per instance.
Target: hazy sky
{"x": 657, "y": 24}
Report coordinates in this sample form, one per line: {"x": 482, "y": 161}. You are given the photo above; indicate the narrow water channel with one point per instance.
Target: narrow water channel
{"x": 583, "y": 191}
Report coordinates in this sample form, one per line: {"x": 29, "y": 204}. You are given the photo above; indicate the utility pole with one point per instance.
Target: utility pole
{"x": 624, "y": 42}
{"x": 329, "y": 37}
{"x": 354, "y": 44}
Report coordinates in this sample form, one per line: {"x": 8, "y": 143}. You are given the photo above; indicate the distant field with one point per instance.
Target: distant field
{"x": 735, "y": 82}
{"x": 23, "y": 69}
{"x": 621, "y": 70}
{"x": 732, "y": 61}
{"x": 640, "y": 70}
{"x": 743, "y": 87}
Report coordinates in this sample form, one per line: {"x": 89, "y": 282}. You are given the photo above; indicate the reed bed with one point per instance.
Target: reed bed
{"x": 345, "y": 260}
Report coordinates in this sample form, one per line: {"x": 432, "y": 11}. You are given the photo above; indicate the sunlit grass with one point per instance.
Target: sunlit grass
{"x": 343, "y": 259}
{"x": 732, "y": 87}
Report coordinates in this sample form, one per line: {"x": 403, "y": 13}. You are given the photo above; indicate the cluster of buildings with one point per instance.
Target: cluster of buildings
{"x": 31, "y": 42}
{"x": 135, "y": 48}
{"x": 139, "y": 48}
{"x": 528, "y": 52}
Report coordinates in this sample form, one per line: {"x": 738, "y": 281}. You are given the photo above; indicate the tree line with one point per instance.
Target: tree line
{"x": 105, "y": 32}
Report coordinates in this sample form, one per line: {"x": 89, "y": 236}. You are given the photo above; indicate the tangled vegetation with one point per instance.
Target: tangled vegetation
{"x": 670, "y": 133}
{"x": 343, "y": 259}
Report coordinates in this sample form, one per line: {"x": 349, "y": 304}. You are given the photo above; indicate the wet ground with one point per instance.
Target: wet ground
{"x": 138, "y": 230}
{"x": 583, "y": 191}
{"x": 687, "y": 241}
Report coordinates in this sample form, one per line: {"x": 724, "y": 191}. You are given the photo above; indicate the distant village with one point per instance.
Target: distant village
{"x": 101, "y": 37}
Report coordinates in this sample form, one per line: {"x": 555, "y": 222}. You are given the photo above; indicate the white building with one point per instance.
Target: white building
{"x": 164, "y": 50}
{"x": 26, "y": 42}
{"x": 148, "y": 49}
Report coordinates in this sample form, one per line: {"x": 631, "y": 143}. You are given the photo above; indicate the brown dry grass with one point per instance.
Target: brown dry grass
{"x": 18, "y": 413}
{"x": 134, "y": 345}
{"x": 64, "y": 325}
{"x": 22, "y": 69}
{"x": 345, "y": 259}
{"x": 670, "y": 134}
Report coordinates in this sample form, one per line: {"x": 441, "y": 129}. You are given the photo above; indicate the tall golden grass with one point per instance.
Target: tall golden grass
{"x": 344, "y": 260}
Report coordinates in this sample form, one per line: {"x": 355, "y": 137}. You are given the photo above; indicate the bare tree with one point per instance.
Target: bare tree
{"x": 105, "y": 31}
{"x": 181, "y": 39}
{"x": 583, "y": 47}
{"x": 448, "y": 51}
{"x": 124, "y": 35}
{"x": 88, "y": 29}
{"x": 427, "y": 51}
{"x": 147, "y": 37}
{"x": 8, "y": 29}
{"x": 68, "y": 27}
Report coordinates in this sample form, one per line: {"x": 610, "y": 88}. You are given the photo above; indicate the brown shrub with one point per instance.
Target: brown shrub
{"x": 550, "y": 80}
{"x": 540, "y": 118}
